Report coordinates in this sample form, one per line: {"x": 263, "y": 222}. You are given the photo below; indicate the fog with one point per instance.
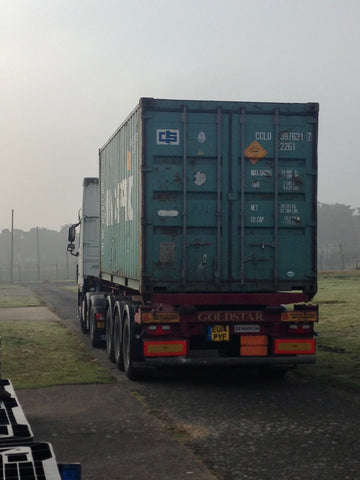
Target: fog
{"x": 72, "y": 71}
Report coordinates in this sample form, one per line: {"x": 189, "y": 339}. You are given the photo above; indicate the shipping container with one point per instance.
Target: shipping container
{"x": 206, "y": 196}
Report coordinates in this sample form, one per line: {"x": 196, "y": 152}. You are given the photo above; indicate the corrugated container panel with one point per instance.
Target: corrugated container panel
{"x": 213, "y": 196}
{"x": 119, "y": 206}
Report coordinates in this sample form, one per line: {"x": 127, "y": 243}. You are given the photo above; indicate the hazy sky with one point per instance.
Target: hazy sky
{"x": 72, "y": 70}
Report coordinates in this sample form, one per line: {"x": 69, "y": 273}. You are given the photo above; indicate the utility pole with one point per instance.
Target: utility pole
{"x": 341, "y": 257}
{"x": 38, "y": 252}
{"x": 12, "y": 249}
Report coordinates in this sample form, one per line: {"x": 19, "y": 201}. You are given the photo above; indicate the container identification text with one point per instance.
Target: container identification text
{"x": 119, "y": 199}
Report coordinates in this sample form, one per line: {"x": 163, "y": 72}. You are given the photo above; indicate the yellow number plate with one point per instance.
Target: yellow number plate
{"x": 219, "y": 333}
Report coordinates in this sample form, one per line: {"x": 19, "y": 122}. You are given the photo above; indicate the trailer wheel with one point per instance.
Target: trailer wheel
{"x": 110, "y": 334}
{"x": 128, "y": 347}
{"x": 94, "y": 336}
{"x": 118, "y": 355}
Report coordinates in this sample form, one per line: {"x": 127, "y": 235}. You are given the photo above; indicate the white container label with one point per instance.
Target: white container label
{"x": 246, "y": 328}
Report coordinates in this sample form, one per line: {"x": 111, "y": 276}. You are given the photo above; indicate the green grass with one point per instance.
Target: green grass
{"x": 338, "y": 343}
{"x": 19, "y": 301}
{"x": 12, "y": 296}
{"x": 40, "y": 354}
{"x": 71, "y": 288}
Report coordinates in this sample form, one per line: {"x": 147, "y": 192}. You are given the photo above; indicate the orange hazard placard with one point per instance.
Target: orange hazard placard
{"x": 255, "y": 151}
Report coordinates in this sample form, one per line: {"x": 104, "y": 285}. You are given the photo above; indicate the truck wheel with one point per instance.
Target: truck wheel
{"x": 83, "y": 317}
{"x": 94, "y": 336}
{"x": 118, "y": 355}
{"x": 109, "y": 334}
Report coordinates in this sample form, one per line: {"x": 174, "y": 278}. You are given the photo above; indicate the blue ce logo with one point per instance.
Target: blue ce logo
{"x": 167, "y": 137}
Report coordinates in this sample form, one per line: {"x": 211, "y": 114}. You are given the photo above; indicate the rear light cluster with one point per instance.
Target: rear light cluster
{"x": 99, "y": 319}
{"x": 158, "y": 330}
{"x": 300, "y": 328}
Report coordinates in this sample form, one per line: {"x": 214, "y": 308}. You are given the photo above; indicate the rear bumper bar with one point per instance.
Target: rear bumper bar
{"x": 285, "y": 361}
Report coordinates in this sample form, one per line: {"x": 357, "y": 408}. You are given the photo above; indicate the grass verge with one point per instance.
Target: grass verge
{"x": 19, "y": 301}
{"x": 14, "y": 296}
{"x": 338, "y": 343}
{"x": 41, "y": 354}
{"x": 71, "y": 288}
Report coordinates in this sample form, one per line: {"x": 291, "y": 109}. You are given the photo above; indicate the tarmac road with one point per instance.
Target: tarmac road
{"x": 241, "y": 426}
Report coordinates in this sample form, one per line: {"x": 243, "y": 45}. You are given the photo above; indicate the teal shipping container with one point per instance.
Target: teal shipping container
{"x": 207, "y": 196}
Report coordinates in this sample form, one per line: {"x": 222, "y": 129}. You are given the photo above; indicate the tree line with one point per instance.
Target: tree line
{"x": 40, "y": 254}
{"x": 338, "y": 237}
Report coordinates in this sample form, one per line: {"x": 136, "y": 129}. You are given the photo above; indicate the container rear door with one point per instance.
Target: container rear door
{"x": 244, "y": 219}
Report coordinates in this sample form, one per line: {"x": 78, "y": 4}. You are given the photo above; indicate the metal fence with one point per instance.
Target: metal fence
{"x": 34, "y": 272}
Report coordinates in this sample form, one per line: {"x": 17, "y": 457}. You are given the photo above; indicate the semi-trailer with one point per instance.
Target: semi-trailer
{"x": 197, "y": 241}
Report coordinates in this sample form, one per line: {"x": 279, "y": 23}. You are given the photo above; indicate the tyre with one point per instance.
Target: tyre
{"x": 118, "y": 355}
{"x": 109, "y": 327}
{"x": 129, "y": 349}
{"x": 84, "y": 324}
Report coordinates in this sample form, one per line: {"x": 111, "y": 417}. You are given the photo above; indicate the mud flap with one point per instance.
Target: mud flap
{"x": 97, "y": 320}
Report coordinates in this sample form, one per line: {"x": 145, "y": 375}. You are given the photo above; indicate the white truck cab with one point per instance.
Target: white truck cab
{"x": 87, "y": 249}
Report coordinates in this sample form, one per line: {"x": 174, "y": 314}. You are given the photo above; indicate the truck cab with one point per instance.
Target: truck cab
{"x": 87, "y": 248}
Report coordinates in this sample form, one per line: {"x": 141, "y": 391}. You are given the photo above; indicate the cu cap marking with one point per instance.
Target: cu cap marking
{"x": 167, "y": 137}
